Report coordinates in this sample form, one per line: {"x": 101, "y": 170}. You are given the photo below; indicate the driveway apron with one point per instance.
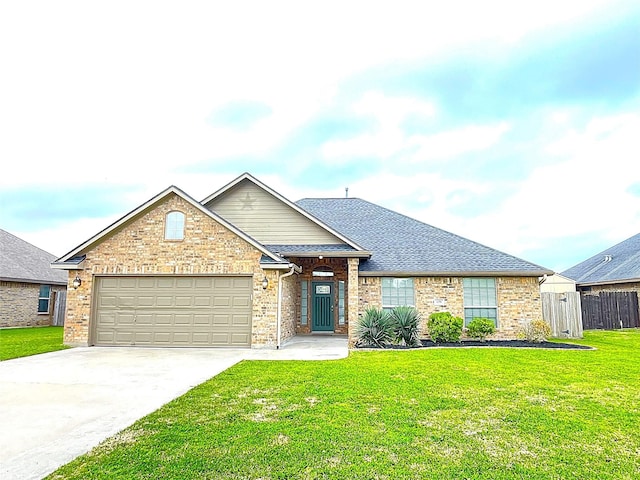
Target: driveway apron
{"x": 56, "y": 406}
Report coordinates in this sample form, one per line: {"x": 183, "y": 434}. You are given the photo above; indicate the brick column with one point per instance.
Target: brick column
{"x": 352, "y": 298}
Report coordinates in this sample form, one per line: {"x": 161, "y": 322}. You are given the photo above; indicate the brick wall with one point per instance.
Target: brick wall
{"x": 518, "y": 300}
{"x": 139, "y": 248}
{"x": 19, "y": 304}
{"x": 290, "y": 294}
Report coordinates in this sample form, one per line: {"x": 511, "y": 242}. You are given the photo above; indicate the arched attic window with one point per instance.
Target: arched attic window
{"x": 174, "y": 226}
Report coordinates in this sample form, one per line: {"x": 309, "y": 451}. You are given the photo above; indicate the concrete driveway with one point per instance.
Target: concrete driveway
{"x": 56, "y": 406}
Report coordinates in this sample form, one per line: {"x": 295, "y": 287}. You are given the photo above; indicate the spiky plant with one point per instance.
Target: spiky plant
{"x": 374, "y": 328}
{"x": 406, "y": 322}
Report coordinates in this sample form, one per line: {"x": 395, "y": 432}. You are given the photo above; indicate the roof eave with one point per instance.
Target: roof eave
{"x": 328, "y": 254}
{"x": 509, "y": 273}
{"x": 67, "y": 266}
{"x": 607, "y": 282}
{"x": 31, "y": 280}
{"x": 280, "y": 266}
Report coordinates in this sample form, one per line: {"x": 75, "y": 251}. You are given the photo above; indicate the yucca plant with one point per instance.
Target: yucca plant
{"x": 405, "y": 322}
{"x": 374, "y": 328}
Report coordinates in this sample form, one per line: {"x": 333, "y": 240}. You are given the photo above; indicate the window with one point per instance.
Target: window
{"x": 340, "y": 302}
{"x": 174, "y": 226}
{"x": 480, "y": 299}
{"x": 322, "y": 272}
{"x": 397, "y": 292}
{"x": 43, "y": 298}
{"x": 304, "y": 301}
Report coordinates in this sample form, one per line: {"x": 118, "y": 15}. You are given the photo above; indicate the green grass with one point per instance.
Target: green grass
{"x": 22, "y": 342}
{"x": 432, "y": 413}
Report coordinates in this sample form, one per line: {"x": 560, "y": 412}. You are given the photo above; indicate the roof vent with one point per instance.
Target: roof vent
{"x": 607, "y": 258}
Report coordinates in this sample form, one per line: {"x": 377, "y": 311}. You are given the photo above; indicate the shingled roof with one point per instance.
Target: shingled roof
{"x": 403, "y": 245}
{"x": 620, "y": 263}
{"x": 22, "y": 262}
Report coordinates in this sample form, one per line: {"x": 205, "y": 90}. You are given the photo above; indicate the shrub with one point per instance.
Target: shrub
{"x": 405, "y": 322}
{"x": 444, "y": 327}
{"x": 536, "y": 331}
{"x": 374, "y": 328}
{"x": 480, "y": 328}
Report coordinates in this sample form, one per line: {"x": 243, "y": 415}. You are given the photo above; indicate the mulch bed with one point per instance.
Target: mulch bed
{"x": 489, "y": 343}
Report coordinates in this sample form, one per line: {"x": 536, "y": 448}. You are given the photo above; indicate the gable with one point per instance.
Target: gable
{"x": 268, "y": 219}
{"x": 70, "y": 259}
{"x": 141, "y": 247}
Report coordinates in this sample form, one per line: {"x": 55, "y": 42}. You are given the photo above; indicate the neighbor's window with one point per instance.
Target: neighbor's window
{"x": 174, "y": 226}
{"x": 397, "y": 292}
{"x": 43, "y": 298}
{"x": 480, "y": 299}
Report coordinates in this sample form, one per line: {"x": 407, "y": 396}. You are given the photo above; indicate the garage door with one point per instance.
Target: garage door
{"x": 173, "y": 311}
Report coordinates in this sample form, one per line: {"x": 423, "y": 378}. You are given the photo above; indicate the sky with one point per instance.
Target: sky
{"x": 514, "y": 124}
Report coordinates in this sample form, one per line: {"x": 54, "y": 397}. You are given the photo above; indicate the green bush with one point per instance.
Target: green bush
{"x": 374, "y": 328}
{"x": 444, "y": 327}
{"x": 405, "y": 323}
{"x": 536, "y": 331}
{"x": 480, "y": 328}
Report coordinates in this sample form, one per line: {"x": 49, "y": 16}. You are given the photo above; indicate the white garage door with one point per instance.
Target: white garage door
{"x": 173, "y": 311}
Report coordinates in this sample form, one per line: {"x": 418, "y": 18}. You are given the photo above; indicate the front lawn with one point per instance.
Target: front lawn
{"x": 22, "y": 342}
{"x": 431, "y": 413}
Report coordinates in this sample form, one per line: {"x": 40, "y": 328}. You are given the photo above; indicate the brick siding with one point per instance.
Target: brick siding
{"x": 19, "y": 304}
{"x": 139, "y": 248}
{"x": 518, "y": 300}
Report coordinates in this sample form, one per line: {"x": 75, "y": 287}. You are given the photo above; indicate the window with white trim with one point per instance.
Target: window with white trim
{"x": 480, "y": 299}
{"x": 174, "y": 226}
{"x": 44, "y": 298}
{"x": 397, "y": 292}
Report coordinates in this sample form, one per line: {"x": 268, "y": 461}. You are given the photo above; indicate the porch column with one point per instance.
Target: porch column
{"x": 353, "y": 298}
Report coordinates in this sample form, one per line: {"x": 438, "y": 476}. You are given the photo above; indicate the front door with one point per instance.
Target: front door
{"x": 322, "y": 307}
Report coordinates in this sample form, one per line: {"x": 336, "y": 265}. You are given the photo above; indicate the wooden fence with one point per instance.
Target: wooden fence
{"x": 59, "y": 308}
{"x": 610, "y": 310}
{"x": 562, "y": 311}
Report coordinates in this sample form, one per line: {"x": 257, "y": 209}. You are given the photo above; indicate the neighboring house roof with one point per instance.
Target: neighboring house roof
{"x": 617, "y": 264}
{"x": 74, "y": 257}
{"x": 21, "y": 261}
{"x": 405, "y": 246}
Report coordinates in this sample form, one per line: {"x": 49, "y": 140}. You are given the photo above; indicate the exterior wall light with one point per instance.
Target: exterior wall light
{"x": 76, "y": 282}
{"x": 265, "y": 283}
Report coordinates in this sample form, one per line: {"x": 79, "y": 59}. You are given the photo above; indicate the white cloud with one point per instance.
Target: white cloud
{"x": 584, "y": 193}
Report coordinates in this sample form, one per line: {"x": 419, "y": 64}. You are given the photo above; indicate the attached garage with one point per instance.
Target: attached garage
{"x": 173, "y": 311}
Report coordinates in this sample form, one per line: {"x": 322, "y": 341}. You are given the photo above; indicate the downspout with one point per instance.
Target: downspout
{"x": 279, "y": 314}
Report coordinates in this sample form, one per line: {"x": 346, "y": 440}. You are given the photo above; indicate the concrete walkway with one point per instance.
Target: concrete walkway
{"x": 56, "y": 406}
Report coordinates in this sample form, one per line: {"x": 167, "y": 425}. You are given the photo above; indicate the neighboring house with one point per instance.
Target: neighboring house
{"x": 614, "y": 269}
{"x": 614, "y": 276}
{"x": 557, "y": 283}
{"x": 247, "y": 267}
{"x": 29, "y": 288}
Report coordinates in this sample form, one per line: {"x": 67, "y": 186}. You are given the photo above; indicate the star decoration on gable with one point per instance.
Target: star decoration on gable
{"x": 247, "y": 202}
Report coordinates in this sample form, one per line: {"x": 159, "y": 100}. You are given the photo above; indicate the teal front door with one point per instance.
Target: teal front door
{"x": 322, "y": 307}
